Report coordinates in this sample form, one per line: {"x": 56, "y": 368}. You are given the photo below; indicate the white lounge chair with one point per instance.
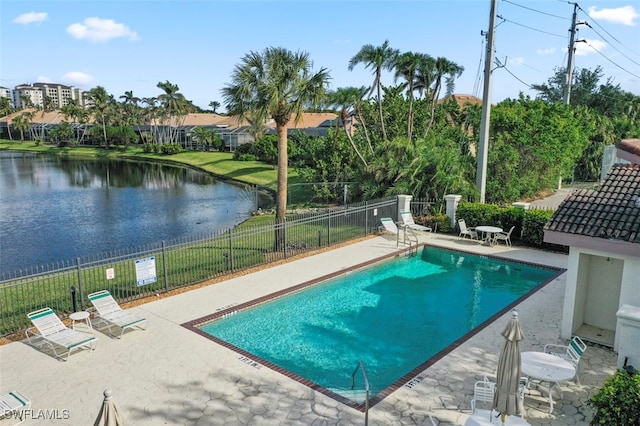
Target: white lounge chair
{"x": 110, "y": 312}
{"x": 484, "y": 390}
{"x": 466, "y": 232}
{"x": 571, "y": 352}
{"x": 13, "y": 403}
{"x": 503, "y": 236}
{"x": 55, "y": 334}
{"x": 407, "y": 220}
{"x": 390, "y": 226}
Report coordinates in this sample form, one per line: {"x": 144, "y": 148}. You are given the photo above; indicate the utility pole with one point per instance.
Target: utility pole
{"x": 483, "y": 145}
{"x": 571, "y": 51}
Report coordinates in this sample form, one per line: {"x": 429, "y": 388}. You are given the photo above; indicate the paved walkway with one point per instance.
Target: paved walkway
{"x": 172, "y": 376}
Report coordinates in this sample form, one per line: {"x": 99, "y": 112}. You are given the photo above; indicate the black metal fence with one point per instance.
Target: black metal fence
{"x": 138, "y": 272}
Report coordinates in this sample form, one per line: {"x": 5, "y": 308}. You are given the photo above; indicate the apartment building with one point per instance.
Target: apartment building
{"x": 26, "y": 95}
{"x": 6, "y": 93}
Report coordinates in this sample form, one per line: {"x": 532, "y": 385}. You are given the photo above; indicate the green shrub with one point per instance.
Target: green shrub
{"x": 170, "y": 148}
{"x": 617, "y": 402}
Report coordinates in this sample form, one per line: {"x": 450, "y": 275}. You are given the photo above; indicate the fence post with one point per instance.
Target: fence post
{"x": 366, "y": 219}
{"x": 80, "y": 282}
{"x": 329, "y": 229}
{"x": 284, "y": 232}
{"x": 166, "y": 268}
{"x": 231, "y": 260}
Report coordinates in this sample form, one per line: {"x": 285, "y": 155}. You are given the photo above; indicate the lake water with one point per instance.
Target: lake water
{"x": 56, "y": 209}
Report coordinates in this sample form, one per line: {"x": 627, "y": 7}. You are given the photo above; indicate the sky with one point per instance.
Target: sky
{"x": 195, "y": 44}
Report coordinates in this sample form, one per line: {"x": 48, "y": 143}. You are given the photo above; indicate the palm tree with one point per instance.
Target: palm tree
{"x": 22, "y": 123}
{"x": 344, "y": 99}
{"x": 214, "y": 105}
{"x": 173, "y": 104}
{"x": 99, "y": 101}
{"x": 407, "y": 65}
{"x": 449, "y": 70}
{"x": 377, "y": 58}
{"x": 5, "y": 110}
{"x": 276, "y": 83}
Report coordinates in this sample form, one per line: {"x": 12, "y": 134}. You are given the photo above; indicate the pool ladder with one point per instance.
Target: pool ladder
{"x": 366, "y": 388}
{"x": 411, "y": 238}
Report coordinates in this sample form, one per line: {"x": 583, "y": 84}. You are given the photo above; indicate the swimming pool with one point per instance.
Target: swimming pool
{"x": 397, "y": 316}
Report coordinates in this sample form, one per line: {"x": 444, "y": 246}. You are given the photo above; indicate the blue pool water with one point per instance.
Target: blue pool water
{"x": 393, "y": 316}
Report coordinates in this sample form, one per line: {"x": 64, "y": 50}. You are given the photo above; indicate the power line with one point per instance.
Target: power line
{"x": 608, "y": 33}
{"x": 531, "y": 28}
{"x": 615, "y": 48}
{"x": 535, "y": 10}
{"x": 623, "y": 69}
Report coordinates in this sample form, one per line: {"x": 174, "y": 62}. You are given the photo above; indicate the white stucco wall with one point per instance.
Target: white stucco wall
{"x": 596, "y": 288}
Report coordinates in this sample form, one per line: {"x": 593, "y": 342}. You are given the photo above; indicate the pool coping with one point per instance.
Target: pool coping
{"x": 410, "y": 378}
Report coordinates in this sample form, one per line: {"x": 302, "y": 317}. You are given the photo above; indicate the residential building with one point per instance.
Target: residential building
{"x": 58, "y": 94}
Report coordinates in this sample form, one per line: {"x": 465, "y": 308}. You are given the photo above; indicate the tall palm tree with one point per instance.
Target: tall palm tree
{"x": 276, "y": 83}
{"x": 376, "y": 58}
{"x": 448, "y": 70}
{"x": 99, "y": 101}
{"x": 174, "y": 105}
{"x": 5, "y": 110}
{"x": 407, "y": 65}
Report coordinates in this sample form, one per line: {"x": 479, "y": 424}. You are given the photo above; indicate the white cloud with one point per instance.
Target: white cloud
{"x": 43, "y": 79}
{"x": 583, "y": 49}
{"x": 622, "y": 15}
{"x": 77, "y": 78}
{"x": 547, "y": 51}
{"x": 30, "y": 18}
{"x": 96, "y": 29}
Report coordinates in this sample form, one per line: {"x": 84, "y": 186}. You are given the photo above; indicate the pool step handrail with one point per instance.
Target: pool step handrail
{"x": 366, "y": 388}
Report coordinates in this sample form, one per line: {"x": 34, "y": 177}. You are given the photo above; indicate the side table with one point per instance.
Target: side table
{"x": 79, "y": 317}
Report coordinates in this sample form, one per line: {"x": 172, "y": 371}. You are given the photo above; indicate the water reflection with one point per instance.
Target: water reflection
{"x": 54, "y": 209}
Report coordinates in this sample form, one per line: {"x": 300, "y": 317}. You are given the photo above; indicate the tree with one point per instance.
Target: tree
{"x": 276, "y": 83}
{"x": 343, "y": 99}
{"x": 376, "y": 58}
{"x": 407, "y": 65}
{"x": 99, "y": 101}
{"x": 448, "y": 70}
{"x": 5, "y": 110}
{"x": 174, "y": 107}
{"x": 22, "y": 123}
{"x": 214, "y": 105}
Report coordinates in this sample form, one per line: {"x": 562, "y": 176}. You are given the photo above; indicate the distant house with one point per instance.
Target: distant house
{"x": 602, "y": 229}
{"x": 234, "y": 132}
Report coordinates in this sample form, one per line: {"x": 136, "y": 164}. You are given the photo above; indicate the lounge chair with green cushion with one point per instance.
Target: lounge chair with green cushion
{"x": 407, "y": 220}
{"x": 56, "y": 335}
{"x": 110, "y": 312}
{"x": 13, "y": 403}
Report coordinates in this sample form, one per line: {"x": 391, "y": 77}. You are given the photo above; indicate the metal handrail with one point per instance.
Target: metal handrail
{"x": 366, "y": 388}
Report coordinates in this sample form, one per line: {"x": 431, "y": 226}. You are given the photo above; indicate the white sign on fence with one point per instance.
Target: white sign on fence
{"x": 111, "y": 273}
{"x": 146, "y": 271}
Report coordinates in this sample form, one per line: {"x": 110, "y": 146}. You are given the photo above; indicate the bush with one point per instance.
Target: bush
{"x": 617, "y": 402}
{"x": 170, "y": 148}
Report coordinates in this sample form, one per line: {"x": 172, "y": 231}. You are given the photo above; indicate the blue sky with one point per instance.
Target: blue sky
{"x": 133, "y": 45}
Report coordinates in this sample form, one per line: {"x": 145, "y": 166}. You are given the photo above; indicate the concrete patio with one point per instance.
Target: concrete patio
{"x": 172, "y": 376}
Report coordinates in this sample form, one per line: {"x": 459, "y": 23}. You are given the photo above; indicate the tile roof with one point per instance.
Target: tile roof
{"x": 607, "y": 218}
{"x": 612, "y": 212}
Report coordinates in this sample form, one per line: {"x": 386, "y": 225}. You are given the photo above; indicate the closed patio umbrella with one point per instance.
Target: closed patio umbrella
{"x": 506, "y": 399}
{"x": 109, "y": 414}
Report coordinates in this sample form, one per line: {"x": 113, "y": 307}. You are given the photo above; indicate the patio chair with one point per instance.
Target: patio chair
{"x": 484, "y": 390}
{"x": 466, "y": 232}
{"x": 571, "y": 352}
{"x": 55, "y": 334}
{"x": 390, "y": 226}
{"x": 113, "y": 315}
{"x": 407, "y": 220}
{"x": 503, "y": 236}
{"x": 14, "y": 403}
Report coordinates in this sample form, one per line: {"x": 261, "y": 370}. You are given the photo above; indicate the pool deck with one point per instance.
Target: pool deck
{"x": 171, "y": 375}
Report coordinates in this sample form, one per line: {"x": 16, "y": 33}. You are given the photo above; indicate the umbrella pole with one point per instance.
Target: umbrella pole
{"x": 503, "y": 417}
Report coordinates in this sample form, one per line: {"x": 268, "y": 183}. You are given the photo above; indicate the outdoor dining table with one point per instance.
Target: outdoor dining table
{"x": 486, "y": 418}
{"x": 488, "y": 232}
{"x": 547, "y": 368}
